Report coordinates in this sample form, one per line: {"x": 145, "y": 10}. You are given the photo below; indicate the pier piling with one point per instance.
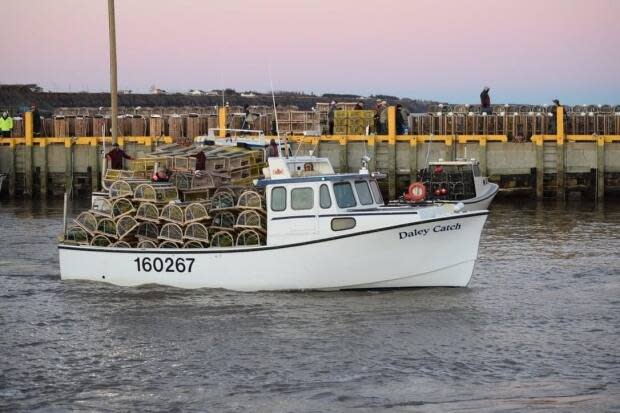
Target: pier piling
{"x": 540, "y": 169}
{"x": 343, "y": 155}
{"x": 600, "y": 168}
{"x": 43, "y": 168}
{"x": 28, "y": 167}
{"x": 413, "y": 159}
{"x": 392, "y": 152}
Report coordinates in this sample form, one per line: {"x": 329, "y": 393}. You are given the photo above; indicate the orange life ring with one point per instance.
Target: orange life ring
{"x": 416, "y": 192}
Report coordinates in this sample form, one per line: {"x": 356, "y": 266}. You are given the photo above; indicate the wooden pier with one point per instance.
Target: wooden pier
{"x": 544, "y": 166}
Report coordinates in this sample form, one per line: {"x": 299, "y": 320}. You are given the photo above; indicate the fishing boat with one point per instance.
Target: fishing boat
{"x": 321, "y": 231}
{"x": 452, "y": 182}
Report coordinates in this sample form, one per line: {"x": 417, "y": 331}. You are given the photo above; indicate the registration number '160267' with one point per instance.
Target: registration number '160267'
{"x": 169, "y": 264}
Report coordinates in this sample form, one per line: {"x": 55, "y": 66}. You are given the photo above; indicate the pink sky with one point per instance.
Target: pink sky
{"x": 526, "y": 51}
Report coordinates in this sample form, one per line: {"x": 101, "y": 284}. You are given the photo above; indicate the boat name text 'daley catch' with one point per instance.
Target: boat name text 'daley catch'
{"x": 422, "y": 232}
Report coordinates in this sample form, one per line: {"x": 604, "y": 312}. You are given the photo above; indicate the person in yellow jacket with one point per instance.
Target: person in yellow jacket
{"x": 6, "y": 125}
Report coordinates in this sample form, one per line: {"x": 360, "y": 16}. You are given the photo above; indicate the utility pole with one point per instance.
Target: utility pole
{"x": 113, "y": 82}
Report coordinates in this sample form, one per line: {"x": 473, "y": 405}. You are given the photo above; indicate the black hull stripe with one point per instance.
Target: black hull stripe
{"x": 167, "y": 251}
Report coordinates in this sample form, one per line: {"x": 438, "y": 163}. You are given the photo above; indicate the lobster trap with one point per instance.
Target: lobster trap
{"x": 172, "y": 213}
{"x": 147, "y": 231}
{"x": 196, "y": 212}
{"x": 196, "y": 232}
{"x": 102, "y": 207}
{"x": 107, "y": 227}
{"x": 87, "y": 221}
{"x": 251, "y": 219}
{"x": 125, "y": 226}
{"x": 100, "y": 241}
{"x": 251, "y": 199}
{"x": 249, "y": 237}
{"x": 222, "y": 239}
{"x": 155, "y": 193}
{"x": 147, "y": 243}
{"x": 148, "y": 212}
{"x": 77, "y": 235}
{"x": 222, "y": 200}
{"x": 194, "y": 244}
{"x": 223, "y": 220}
{"x": 122, "y": 207}
{"x": 171, "y": 232}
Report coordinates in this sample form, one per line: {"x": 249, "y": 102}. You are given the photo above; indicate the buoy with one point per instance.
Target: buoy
{"x": 416, "y": 192}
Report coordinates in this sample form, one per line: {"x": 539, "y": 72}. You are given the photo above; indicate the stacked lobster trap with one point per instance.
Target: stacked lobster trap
{"x": 234, "y": 216}
{"x": 193, "y": 209}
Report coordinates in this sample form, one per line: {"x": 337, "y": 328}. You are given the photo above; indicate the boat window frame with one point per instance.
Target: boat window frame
{"x": 376, "y": 191}
{"x": 271, "y": 198}
{"x": 369, "y": 198}
{"x": 338, "y": 199}
{"x": 324, "y": 188}
{"x": 304, "y": 188}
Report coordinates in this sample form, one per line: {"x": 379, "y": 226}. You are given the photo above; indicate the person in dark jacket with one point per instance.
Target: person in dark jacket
{"x": 162, "y": 175}
{"x": 485, "y": 101}
{"x": 201, "y": 161}
{"x": 272, "y": 149}
{"x": 116, "y": 156}
{"x": 401, "y": 119}
{"x": 330, "y": 117}
{"x": 553, "y": 120}
{"x": 359, "y": 105}
{"x": 36, "y": 120}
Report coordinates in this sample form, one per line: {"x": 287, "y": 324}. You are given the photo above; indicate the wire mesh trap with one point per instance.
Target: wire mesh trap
{"x": 222, "y": 239}
{"x": 147, "y": 212}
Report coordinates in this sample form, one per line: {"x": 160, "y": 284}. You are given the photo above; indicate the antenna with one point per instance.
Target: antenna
{"x": 275, "y": 113}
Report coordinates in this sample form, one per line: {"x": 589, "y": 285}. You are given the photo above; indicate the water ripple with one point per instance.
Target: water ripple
{"x": 536, "y": 330}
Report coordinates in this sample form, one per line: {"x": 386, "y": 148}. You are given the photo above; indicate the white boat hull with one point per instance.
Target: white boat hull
{"x": 432, "y": 252}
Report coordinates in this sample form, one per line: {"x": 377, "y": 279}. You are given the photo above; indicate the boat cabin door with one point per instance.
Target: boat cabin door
{"x": 292, "y": 213}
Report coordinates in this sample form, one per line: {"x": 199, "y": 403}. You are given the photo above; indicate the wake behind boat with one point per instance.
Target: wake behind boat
{"x": 319, "y": 231}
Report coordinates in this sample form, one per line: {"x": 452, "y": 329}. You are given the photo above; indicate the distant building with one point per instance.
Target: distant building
{"x": 125, "y": 92}
{"x": 35, "y": 88}
{"x": 158, "y": 91}
{"x": 197, "y": 92}
{"x": 248, "y": 95}
{"x": 214, "y": 92}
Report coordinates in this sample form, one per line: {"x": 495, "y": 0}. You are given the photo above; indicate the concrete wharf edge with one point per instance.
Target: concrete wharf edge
{"x": 547, "y": 165}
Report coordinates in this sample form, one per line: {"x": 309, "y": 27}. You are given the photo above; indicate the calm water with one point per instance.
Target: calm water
{"x": 538, "y": 329}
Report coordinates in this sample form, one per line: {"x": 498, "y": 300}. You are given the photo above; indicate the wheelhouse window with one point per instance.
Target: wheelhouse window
{"x": 344, "y": 195}
{"x": 325, "y": 200}
{"x": 363, "y": 192}
{"x": 302, "y": 198}
{"x": 278, "y": 198}
{"x": 376, "y": 192}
